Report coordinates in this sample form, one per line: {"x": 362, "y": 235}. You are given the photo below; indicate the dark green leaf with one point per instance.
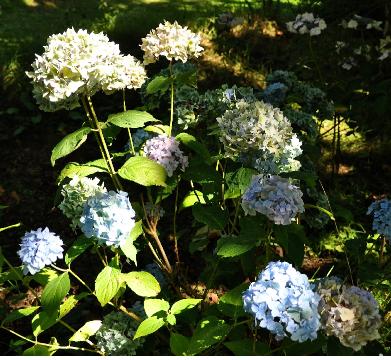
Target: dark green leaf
{"x": 19, "y": 314}
{"x": 43, "y": 321}
{"x": 246, "y": 347}
{"x": 191, "y": 142}
{"x": 231, "y": 246}
{"x": 210, "y": 215}
{"x": 237, "y": 182}
{"x": 55, "y": 291}
{"x": 69, "y": 144}
{"x": 231, "y": 303}
{"x": 131, "y": 119}
{"x": 143, "y": 171}
{"x": 179, "y": 344}
{"x": 158, "y": 83}
{"x": 78, "y": 247}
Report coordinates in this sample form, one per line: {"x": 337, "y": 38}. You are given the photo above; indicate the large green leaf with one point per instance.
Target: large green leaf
{"x": 247, "y": 347}
{"x": 292, "y": 238}
{"x": 191, "y": 142}
{"x": 179, "y": 344}
{"x": 193, "y": 197}
{"x": 128, "y": 247}
{"x": 107, "y": 283}
{"x": 209, "y": 331}
{"x": 232, "y": 246}
{"x": 153, "y": 306}
{"x": 19, "y": 314}
{"x": 69, "y": 143}
{"x": 131, "y": 119}
{"x": 78, "y": 247}
{"x": 237, "y": 182}
{"x": 55, "y": 291}
{"x": 149, "y": 326}
{"x": 87, "y": 330}
{"x": 43, "y": 321}
{"x": 183, "y": 305}
{"x": 210, "y": 215}
{"x": 82, "y": 170}
{"x": 158, "y": 83}
{"x": 231, "y": 303}
{"x": 143, "y": 171}
{"x": 142, "y": 283}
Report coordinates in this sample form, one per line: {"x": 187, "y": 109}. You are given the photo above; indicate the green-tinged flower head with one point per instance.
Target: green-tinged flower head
{"x": 75, "y": 194}
{"x": 259, "y": 134}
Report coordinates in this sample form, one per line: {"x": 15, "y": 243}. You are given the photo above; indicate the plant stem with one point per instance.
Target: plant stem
{"x": 174, "y": 223}
{"x": 10, "y": 227}
{"x": 172, "y": 100}
{"x": 129, "y": 133}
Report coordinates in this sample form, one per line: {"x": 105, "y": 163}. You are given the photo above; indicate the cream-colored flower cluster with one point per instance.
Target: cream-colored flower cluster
{"x": 349, "y": 313}
{"x": 385, "y": 48}
{"x": 172, "y": 41}
{"x": 78, "y": 63}
{"x": 306, "y": 23}
{"x": 258, "y": 133}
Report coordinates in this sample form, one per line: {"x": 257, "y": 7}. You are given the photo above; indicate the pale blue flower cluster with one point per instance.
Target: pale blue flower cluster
{"x": 109, "y": 217}
{"x": 39, "y": 248}
{"x": 165, "y": 151}
{"x": 381, "y": 211}
{"x": 115, "y": 336}
{"x": 139, "y": 138}
{"x": 273, "y": 196}
{"x": 283, "y": 302}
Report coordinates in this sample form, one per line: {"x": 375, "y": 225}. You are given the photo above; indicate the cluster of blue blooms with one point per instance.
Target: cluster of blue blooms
{"x": 109, "y": 217}
{"x": 283, "y": 302}
{"x": 381, "y": 211}
{"x": 39, "y": 248}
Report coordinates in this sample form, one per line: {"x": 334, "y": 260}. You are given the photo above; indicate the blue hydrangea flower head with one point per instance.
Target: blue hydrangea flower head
{"x": 282, "y": 301}
{"x": 381, "y": 211}
{"x": 275, "y": 93}
{"x": 39, "y": 248}
{"x": 109, "y": 217}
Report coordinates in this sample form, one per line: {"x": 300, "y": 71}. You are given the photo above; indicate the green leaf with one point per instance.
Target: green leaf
{"x": 45, "y": 275}
{"x": 210, "y": 215}
{"x": 328, "y": 213}
{"x": 183, "y": 305}
{"x": 232, "y": 246}
{"x": 193, "y": 197}
{"x": 78, "y": 247}
{"x": 12, "y": 275}
{"x": 131, "y": 119}
{"x": 40, "y": 350}
{"x": 128, "y": 247}
{"x": 149, "y": 326}
{"x": 158, "y": 83}
{"x": 69, "y": 144}
{"x": 191, "y": 142}
{"x": 158, "y": 129}
{"x": 82, "y": 170}
{"x": 209, "y": 331}
{"x": 237, "y": 182}
{"x": 143, "y": 171}
{"x": 246, "y": 347}
{"x": 70, "y": 302}
{"x": 179, "y": 344}
{"x": 231, "y": 303}
{"x": 19, "y": 314}
{"x": 153, "y": 306}
{"x": 43, "y": 321}
{"x": 55, "y": 291}
{"x": 88, "y": 329}
{"x": 107, "y": 283}
{"x": 171, "y": 319}
{"x": 142, "y": 283}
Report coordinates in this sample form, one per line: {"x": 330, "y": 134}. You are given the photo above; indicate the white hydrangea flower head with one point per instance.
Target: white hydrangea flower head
{"x": 109, "y": 217}
{"x": 38, "y": 249}
{"x": 385, "y": 48}
{"x": 258, "y": 133}
{"x": 349, "y": 313}
{"x": 283, "y": 302}
{"x": 165, "y": 151}
{"x": 273, "y": 196}
{"x": 360, "y": 22}
{"x": 78, "y": 63}
{"x": 75, "y": 194}
{"x": 306, "y": 23}
{"x": 381, "y": 211}
{"x": 172, "y": 41}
